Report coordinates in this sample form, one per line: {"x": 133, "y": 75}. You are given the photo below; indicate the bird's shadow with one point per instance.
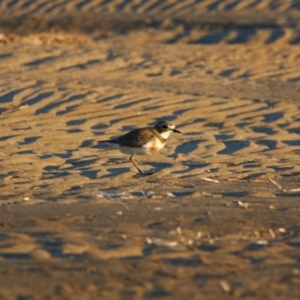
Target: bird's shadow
{"x": 113, "y": 172}
{"x": 117, "y": 160}
{"x": 158, "y": 166}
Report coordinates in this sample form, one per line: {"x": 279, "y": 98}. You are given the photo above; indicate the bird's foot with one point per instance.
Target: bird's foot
{"x": 146, "y": 173}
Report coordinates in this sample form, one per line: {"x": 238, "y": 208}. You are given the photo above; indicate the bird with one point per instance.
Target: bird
{"x": 141, "y": 141}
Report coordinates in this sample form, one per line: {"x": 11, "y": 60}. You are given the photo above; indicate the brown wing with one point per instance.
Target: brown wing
{"x": 136, "y": 138}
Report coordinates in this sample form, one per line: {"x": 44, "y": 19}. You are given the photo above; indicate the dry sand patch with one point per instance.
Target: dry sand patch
{"x": 220, "y": 216}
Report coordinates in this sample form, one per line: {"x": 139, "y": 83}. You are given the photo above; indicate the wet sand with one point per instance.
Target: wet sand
{"x": 219, "y": 218}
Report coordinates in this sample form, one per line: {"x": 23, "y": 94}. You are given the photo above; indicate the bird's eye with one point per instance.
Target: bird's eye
{"x": 165, "y": 126}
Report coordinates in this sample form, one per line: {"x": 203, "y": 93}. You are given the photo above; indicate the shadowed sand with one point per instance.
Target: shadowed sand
{"x": 218, "y": 219}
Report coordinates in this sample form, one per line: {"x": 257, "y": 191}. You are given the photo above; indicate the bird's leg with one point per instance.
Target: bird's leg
{"x": 140, "y": 171}
{"x": 131, "y": 159}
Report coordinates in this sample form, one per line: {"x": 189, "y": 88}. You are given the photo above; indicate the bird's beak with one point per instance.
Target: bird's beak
{"x": 175, "y": 130}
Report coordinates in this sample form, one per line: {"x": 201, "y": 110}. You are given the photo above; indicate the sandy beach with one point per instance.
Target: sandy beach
{"x": 218, "y": 219}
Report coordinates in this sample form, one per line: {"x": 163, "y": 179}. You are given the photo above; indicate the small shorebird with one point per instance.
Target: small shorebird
{"x": 146, "y": 140}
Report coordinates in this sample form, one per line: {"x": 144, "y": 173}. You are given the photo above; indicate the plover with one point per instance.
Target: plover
{"x": 148, "y": 140}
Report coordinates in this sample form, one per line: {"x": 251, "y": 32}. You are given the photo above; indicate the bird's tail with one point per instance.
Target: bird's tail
{"x": 108, "y": 141}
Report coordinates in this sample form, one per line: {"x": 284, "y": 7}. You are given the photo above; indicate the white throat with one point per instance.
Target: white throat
{"x": 166, "y": 134}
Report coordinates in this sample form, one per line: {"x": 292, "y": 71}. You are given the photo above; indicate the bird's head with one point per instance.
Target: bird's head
{"x": 165, "y": 129}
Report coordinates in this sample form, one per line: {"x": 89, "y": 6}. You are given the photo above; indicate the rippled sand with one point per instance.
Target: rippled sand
{"x": 219, "y": 217}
